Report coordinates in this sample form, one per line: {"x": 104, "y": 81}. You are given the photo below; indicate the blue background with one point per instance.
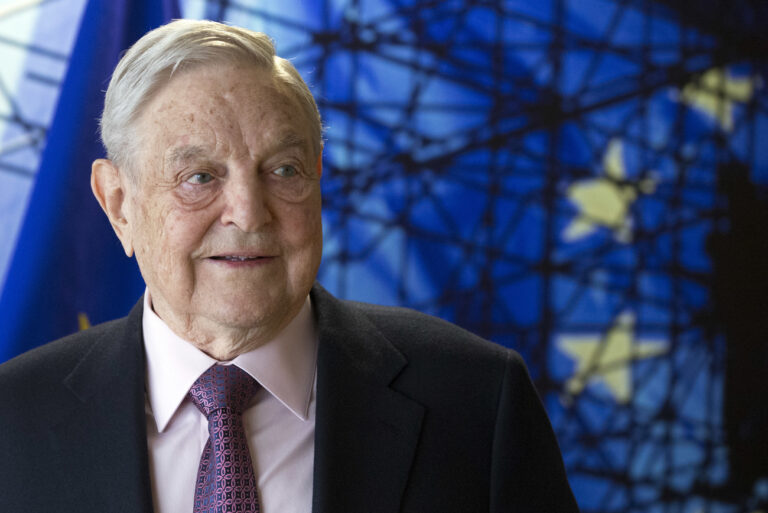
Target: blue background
{"x": 581, "y": 180}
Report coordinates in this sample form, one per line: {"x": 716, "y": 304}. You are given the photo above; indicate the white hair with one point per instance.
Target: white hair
{"x": 182, "y": 45}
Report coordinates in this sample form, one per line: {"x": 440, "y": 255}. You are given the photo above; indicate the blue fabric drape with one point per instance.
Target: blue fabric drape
{"x": 68, "y": 264}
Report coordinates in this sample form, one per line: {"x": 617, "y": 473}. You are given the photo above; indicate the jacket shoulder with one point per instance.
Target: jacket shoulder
{"x": 416, "y": 332}
{"x": 445, "y": 361}
{"x": 32, "y": 373}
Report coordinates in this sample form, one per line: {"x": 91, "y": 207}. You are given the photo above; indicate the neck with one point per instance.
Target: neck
{"x": 220, "y": 341}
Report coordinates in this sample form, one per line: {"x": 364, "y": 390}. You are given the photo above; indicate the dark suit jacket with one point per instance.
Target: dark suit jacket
{"x": 413, "y": 415}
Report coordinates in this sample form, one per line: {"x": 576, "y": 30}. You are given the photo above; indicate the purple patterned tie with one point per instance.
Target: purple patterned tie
{"x": 225, "y": 479}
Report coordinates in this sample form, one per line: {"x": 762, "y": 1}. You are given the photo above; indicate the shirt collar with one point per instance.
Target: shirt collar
{"x": 284, "y": 366}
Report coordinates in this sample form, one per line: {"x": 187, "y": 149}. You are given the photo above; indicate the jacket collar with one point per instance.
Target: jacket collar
{"x": 105, "y": 429}
{"x": 365, "y": 437}
{"x": 366, "y": 432}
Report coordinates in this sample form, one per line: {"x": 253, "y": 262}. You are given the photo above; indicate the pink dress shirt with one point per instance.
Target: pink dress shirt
{"x": 279, "y": 423}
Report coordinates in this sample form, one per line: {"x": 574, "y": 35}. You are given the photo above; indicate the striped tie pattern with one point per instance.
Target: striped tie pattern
{"x": 225, "y": 478}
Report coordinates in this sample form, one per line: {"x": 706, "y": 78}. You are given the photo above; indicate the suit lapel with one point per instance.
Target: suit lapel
{"x": 103, "y": 429}
{"x": 365, "y": 439}
{"x": 366, "y": 432}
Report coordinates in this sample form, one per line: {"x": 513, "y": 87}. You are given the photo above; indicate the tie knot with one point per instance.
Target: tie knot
{"x": 223, "y": 386}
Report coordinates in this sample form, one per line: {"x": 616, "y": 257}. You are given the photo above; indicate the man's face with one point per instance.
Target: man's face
{"x": 225, "y": 216}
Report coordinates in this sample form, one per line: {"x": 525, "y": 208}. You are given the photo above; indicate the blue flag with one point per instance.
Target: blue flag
{"x": 68, "y": 269}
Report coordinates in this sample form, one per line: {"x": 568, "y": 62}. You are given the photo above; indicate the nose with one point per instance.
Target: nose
{"x": 245, "y": 203}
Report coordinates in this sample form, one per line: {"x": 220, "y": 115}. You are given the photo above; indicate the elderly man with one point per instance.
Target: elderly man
{"x": 237, "y": 383}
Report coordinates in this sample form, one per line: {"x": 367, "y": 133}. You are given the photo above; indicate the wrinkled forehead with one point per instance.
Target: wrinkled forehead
{"x": 214, "y": 89}
{"x": 224, "y": 106}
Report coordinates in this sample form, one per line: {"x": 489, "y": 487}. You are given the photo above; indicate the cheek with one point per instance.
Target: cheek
{"x": 304, "y": 226}
{"x": 148, "y": 230}
{"x": 165, "y": 237}
{"x": 307, "y": 245}
{"x": 183, "y": 231}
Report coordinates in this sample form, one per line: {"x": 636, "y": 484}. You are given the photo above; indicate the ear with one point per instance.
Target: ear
{"x": 110, "y": 189}
{"x": 319, "y": 164}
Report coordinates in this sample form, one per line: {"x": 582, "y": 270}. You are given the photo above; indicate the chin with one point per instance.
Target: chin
{"x": 244, "y": 318}
{"x": 250, "y": 315}
{"x": 262, "y": 306}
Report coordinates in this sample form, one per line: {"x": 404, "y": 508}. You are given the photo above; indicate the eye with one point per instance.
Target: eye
{"x": 200, "y": 178}
{"x": 286, "y": 171}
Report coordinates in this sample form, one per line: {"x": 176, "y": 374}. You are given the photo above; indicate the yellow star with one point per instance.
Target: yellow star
{"x": 82, "y": 321}
{"x": 605, "y": 201}
{"x": 715, "y": 93}
{"x": 608, "y": 358}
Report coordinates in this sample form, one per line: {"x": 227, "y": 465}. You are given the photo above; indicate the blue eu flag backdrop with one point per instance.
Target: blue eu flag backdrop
{"x": 68, "y": 269}
{"x": 585, "y": 181}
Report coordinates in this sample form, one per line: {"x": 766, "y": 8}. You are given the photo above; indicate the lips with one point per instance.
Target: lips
{"x": 234, "y": 258}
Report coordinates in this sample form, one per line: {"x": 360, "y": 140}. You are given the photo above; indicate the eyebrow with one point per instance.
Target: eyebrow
{"x": 187, "y": 153}
{"x": 291, "y": 139}
{"x": 184, "y": 154}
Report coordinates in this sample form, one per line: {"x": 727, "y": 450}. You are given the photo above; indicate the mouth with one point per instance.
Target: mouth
{"x": 237, "y": 258}
{"x": 242, "y": 258}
